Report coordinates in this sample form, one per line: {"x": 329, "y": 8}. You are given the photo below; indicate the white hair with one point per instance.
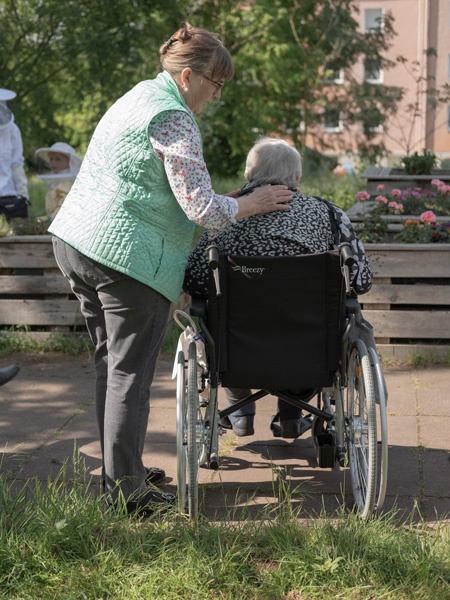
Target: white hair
{"x": 272, "y": 160}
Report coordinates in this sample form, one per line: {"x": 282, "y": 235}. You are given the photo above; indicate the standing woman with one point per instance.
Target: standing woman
{"x": 123, "y": 235}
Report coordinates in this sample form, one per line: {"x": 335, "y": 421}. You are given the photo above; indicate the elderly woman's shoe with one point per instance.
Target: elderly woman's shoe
{"x": 290, "y": 428}
{"x": 242, "y": 426}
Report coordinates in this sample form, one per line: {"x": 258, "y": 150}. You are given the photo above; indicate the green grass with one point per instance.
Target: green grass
{"x": 66, "y": 344}
{"x": 58, "y": 541}
{"x": 433, "y": 359}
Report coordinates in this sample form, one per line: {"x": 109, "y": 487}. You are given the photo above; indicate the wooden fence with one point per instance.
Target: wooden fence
{"x": 34, "y": 295}
{"x": 409, "y": 303}
{"x": 408, "y": 306}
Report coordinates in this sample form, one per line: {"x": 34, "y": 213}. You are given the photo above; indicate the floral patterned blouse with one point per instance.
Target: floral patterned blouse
{"x": 311, "y": 225}
{"x": 178, "y": 143}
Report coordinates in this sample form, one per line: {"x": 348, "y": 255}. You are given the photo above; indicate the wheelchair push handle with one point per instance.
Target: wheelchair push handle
{"x": 213, "y": 264}
{"x": 347, "y": 261}
{"x": 347, "y": 256}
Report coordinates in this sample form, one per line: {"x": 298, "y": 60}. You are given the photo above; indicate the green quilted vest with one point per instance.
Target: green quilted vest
{"x": 121, "y": 211}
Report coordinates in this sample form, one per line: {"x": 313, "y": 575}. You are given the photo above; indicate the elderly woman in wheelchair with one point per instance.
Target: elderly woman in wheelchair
{"x": 275, "y": 295}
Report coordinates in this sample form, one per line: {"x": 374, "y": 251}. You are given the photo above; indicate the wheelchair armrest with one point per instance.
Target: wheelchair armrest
{"x": 198, "y": 307}
{"x": 352, "y": 305}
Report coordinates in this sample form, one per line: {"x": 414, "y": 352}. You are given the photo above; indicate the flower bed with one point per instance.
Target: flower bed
{"x": 406, "y": 233}
{"x": 411, "y": 215}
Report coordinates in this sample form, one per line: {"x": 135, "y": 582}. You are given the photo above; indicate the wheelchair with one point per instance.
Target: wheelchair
{"x": 278, "y": 325}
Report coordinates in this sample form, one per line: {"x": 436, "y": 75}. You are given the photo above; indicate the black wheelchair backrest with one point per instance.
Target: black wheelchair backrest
{"x": 278, "y": 321}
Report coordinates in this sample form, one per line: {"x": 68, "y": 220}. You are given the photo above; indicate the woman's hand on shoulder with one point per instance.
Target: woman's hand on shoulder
{"x": 264, "y": 199}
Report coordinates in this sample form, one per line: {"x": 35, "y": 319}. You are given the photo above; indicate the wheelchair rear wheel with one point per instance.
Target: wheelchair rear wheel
{"x": 362, "y": 429}
{"x": 181, "y": 432}
{"x": 380, "y": 405}
{"x": 193, "y": 415}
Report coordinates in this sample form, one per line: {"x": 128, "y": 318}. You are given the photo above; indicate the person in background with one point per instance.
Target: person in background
{"x": 312, "y": 225}
{"x": 123, "y": 235}
{"x": 14, "y": 197}
{"x": 61, "y": 164}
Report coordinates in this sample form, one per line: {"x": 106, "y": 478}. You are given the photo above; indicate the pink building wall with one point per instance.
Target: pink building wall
{"x": 419, "y": 24}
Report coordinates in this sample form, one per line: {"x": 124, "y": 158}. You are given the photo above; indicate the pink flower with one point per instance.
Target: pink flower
{"x": 381, "y": 199}
{"x": 396, "y": 207}
{"x": 362, "y": 196}
{"x": 428, "y": 217}
{"x": 396, "y": 193}
{"x": 444, "y": 188}
{"x": 436, "y": 182}
{"x": 381, "y": 188}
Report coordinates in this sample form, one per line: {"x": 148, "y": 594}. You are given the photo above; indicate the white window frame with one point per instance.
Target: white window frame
{"x": 339, "y": 80}
{"x": 380, "y": 77}
{"x": 333, "y": 129}
{"x": 377, "y": 129}
{"x": 372, "y": 24}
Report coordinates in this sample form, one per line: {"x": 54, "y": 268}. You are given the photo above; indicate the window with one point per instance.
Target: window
{"x": 335, "y": 76}
{"x": 332, "y": 120}
{"x": 372, "y": 121}
{"x": 372, "y": 70}
{"x": 373, "y": 19}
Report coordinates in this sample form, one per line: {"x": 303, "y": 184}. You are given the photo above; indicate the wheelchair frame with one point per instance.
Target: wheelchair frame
{"x": 347, "y": 419}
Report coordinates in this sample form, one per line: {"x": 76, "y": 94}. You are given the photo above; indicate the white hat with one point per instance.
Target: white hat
{"x": 61, "y": 148}
{"x": 6, "y": 95}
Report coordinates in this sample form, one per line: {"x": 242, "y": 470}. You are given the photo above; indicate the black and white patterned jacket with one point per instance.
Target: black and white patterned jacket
{"x": 311, "y": 225}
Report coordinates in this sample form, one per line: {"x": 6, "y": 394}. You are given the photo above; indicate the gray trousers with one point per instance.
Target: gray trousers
{"x": 126, "y": 320}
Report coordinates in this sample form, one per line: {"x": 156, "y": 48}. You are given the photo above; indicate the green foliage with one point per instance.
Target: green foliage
{"x": 339, "y": 190}
{"x": 37, "y": 190}
{"x": 283, "y": 51}
{"x": 416, "y": 232}
{"x": 28, "y": 227}
{"x": 68, "y": 61}
{"x": 431, "y": 359}
{"x": 419, "y": 164}
{"x": 16, "y": 340}
{"x": 374, "y": 228}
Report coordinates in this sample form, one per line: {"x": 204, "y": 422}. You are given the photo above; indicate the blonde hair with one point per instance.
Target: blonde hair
{"x": 198, "y": 49}
{"x": 272, "y": 160}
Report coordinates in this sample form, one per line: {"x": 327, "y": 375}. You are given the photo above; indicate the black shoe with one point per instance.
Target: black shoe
{"x": 242, "y": 427}
{"x": 8, "y": 373}
{"x": 148, "y": 504}
{"x": 290, "y": 428}
{"x": 154, "y": 475}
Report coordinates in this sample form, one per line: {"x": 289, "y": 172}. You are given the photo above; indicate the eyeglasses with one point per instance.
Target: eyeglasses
{"x": 216, "y": 83}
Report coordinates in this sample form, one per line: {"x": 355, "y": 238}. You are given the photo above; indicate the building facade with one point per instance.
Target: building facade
{"x": 419, "y": 26}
